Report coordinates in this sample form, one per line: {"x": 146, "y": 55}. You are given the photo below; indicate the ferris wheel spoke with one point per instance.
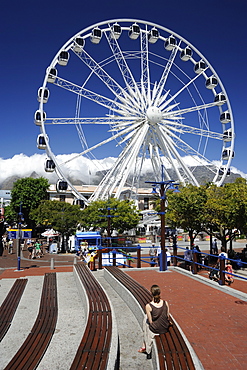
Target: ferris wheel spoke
{"x": 145, "y": 76}
{"x": 162, "y": 82}
{"x": 113, "y": 137}
{"x": 132, "y": 154}
{"x": 120, "y": 170}
{"x": 171, "y": 115}
{"x": 99, "y": 71}
{"x": 123, "y": 66}
{"x": 188, "y": 150}
{"x": 164, "y": 103}
{"x": 177, "y": 161}
{"x": 182, "y": 129}
{"x": 151, "y": 146}
{"x": 170, "y": 157}
{"x": 97, "y": 98}
{"x": 118, "y": 121}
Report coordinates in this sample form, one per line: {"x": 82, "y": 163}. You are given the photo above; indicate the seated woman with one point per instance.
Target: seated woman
{"x": 156, "y": 320}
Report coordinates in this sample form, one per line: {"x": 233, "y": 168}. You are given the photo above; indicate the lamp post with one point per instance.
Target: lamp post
{"x": 109, "y": 216}
{"x": 20, "y": 219}
{"x": 163, "y": 187}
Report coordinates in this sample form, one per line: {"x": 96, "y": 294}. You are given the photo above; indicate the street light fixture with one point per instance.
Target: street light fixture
{"x": 163, "y": 186}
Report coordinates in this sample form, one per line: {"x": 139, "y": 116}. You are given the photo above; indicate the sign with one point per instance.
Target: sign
{"x": 142, "y": 240}
{"x": 19, "y": 234}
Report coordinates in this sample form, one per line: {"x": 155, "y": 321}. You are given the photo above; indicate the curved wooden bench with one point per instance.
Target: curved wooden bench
{"x": 10, "y": 304}
{"x": 93, "y": 351}
{"x": 32, "y": 350}
{"x": 173, "y": 352}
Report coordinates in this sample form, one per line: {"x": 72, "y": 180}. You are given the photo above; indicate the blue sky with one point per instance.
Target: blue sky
{"x": 33, "y": 31}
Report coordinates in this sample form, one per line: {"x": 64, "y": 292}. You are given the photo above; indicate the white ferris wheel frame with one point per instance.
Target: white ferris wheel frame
{"x": 126, "y": 123}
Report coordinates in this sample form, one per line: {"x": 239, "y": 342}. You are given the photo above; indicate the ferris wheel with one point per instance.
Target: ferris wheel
{"x": 138, "y": 92}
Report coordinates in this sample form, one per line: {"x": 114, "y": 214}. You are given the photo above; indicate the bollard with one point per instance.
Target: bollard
{"x": 139, "y": 256}
{"x": 222, "y": 268}
{"x": 75, "y": 260}
{"x": 52, "y": 263}
{"x": 163, "y": 261}
{"x": 129, "y": 262}
{"x": 175, "y": 253}
{"x": 94, "y": 266}
{"x": 114, "y": 257}
{"x": 194, "y": 266}
{"x": 100, "y": 258}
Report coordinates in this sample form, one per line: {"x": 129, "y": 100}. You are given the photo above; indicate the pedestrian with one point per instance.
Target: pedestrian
{"x": 168, "y": 257}
{"x": 10, "y": 246}
{"x": 152, "y": 254}
{"x": 222, "y": 254}
{"x": 38, "y": 251}
{"x": 158, "y": 255}
{"x": 214, "y": 247}
{"x": 187, "y": 258}
{"x": 228, "y": 276}
{"x": 30, "y": 249}
{"x": 156, "y": 320}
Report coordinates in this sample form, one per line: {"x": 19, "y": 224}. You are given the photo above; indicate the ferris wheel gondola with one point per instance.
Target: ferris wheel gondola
{"x": 152, "y": 92}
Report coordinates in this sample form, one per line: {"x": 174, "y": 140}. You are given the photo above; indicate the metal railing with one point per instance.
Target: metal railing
{"x": 111, "y": 257}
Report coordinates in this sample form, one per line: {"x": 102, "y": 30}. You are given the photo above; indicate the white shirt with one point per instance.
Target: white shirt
{"x": 223, "y": 254}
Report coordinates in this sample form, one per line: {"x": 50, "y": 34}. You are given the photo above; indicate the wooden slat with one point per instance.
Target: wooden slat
{"x": 94, "y": 348}
{"x": 10, "y": 304}
{"x": 32, "y": 350}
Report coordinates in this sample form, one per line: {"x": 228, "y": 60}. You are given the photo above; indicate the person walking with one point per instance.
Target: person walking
{"x": 152, "y": 254}
{"x": 30, "y": 250}
{"x": 156, "y": 320}
{"x": 214, "y": 247}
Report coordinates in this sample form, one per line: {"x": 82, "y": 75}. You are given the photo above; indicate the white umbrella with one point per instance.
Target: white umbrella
{"x": 50, "y": 233}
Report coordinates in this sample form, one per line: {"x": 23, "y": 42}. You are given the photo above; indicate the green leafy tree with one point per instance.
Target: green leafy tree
{"x": 185, "y": 209}
{"x": 61, "y": 216}
{"x": 226, "y": 211}
{"x": 27, "y": 193}
{"x": 9, "y": 215}
{"x": 124, "y": 215}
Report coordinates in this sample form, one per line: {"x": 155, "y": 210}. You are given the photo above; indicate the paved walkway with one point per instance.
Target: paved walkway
{"x": 213, "y": 318}
{"x": 214, "y": 322}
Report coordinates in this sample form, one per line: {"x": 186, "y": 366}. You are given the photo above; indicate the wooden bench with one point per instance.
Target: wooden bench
{"x": 10, "y": 304}
{"x": 172, "y": 350}
{"x": 93, "y": 351}
{"x": 31, "y": 352}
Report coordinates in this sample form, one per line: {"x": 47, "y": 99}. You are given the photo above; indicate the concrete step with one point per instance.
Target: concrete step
{"x": 70, "y": 325}
{"x": 130, "y": 332}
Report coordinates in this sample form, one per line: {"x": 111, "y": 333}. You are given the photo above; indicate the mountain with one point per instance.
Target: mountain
{"x": 201, "y": 173}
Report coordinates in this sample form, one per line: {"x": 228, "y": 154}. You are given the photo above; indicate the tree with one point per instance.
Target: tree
{"x": 27, "y": 193}
{"x": 226, "y": 211}
{"x": 61, "y": 216}
{"x": 125, "y": 215}
{"x": 186, "y": 209}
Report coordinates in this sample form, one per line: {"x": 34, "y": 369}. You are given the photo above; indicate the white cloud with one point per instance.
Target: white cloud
{"x": 80, "y": 168}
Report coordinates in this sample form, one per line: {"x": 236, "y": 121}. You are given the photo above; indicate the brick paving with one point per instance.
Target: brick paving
{"x": 215, "y": 323}
{"x": 32, "y": 267}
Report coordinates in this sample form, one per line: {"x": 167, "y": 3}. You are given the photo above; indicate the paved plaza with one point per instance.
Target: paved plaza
{"x": 213, "y": 317}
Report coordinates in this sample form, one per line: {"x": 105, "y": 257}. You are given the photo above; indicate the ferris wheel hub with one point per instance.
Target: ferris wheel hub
{"x": 154, "y": 114}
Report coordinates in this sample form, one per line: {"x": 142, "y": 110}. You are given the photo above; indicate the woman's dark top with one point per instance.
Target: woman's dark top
{"x": 160, "y": 320}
